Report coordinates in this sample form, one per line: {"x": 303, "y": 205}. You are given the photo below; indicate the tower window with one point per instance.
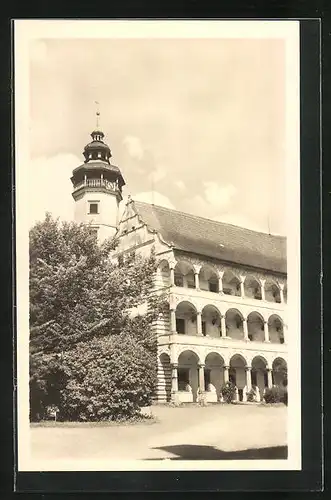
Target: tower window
{"x": 94, "y": 208}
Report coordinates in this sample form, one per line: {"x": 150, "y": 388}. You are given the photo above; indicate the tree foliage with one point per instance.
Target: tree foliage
{"x": 89, "y": 355}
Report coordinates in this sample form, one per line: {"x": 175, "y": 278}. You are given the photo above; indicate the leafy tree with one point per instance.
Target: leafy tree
{"x": 89, "y": 355}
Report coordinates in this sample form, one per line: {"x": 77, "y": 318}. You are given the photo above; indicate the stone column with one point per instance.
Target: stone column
{"x": 199, "y": 323}
{"x": 245, "y": 327}
{"x": 223, "y": 325}
{"x": 196, "y": 280}
{"x": 262, "y": 290}
{"x": 248, "y": 378}
{"x": 173, "y": 320}
{"x": 201, "y": 377}
{"x": 220, "y": 283}
{"x": 269, "y": 372}
{"x": 226, "y": 373}
{"x": 266, "y": 332}
{"x": 174, "y": 382}
{"x": 85, "y": 180}
{"x": 242, "y": 288}
{"x": 281, "y": 289}
{"x": 172, "y": 276}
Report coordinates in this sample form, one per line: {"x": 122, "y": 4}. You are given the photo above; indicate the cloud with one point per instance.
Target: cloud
{"x": 213, "y": 199}
{"x": 134, "y": 147}
{"x": 50, "y": 188}
{"x": 155, "y": 198}
{"x": 180, "y": 184}
{"x": 217, "y": 195}
{"x": 157, "y": 174}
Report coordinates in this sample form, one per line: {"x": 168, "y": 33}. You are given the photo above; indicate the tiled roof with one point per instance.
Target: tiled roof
{"x": 214, "y": 239}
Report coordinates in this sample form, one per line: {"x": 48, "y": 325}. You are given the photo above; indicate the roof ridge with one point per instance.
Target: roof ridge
{"x": 211, "y": 220}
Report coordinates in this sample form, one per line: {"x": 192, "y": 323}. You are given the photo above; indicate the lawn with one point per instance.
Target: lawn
{"x": 187, "y": 433}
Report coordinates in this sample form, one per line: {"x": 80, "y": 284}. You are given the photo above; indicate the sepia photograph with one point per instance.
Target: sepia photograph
{"x": 157, "y": 170}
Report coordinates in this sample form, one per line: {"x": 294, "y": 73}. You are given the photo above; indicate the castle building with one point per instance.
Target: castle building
{"x": 227, "y": 287}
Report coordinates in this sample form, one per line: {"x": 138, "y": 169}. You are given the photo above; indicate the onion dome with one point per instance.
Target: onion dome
{"x": 97, "y": 149}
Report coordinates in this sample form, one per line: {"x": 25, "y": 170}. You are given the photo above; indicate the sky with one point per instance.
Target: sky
{"x": 197, "y": 125}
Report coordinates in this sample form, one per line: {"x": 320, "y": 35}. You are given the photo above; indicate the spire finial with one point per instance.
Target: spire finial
{"x": 97, "y": 113}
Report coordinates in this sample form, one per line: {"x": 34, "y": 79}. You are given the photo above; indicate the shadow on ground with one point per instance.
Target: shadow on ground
{"x": 196, "y": 452}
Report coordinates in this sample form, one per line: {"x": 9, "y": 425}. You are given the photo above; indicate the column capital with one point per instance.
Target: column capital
{"x": 196, "y": 268}
{"x": 268, "y": 369}
{"x": 282, "y": 286}
{"x": 226, "y": 367}
{"x": 174, "y": 365}
{"x": 248, "y": 368}
{"x": 201, "y": 365}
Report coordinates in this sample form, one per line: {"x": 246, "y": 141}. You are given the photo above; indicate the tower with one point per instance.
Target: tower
{"x": 97, "y": 187}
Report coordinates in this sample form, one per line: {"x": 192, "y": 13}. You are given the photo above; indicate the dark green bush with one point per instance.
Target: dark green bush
{"x": 275, "y": 394}
{"x": 228, "y": 392}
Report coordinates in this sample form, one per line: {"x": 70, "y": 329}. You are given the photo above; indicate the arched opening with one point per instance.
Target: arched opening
{"x": 231, "y": 284}
{"x": 279, "y": 372}
{"x": 237, "y": 374}
{"x": 188, "y": 376}
{"x": 211, "y": 321}
{"x": 259, "y": 374}
{"x": 234, "y": 324}
{"x": 252, "y": 288}
{"x": 276, "y": 329}
{"x": 164, "y": 379}
{"x": 214, "y": 376}
{"x": 255, "y": 326}
{"x": 184, "y": 275}
{"x": 186, "y": 319}
{"x": 163, "y": 274}
{"x": 208, "y": 279}
{"x": 271, "y": 291}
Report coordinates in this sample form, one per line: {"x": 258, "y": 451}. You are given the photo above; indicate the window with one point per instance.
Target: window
{"x": 179, "y": 280}
{"x": 190, "y": 281}
{"x": 207, "y": 378}
{"x": 180, "y": 325}
{"x": 94, "y": 208}
{"x": 203, "y": 326}
{"x": 183, "y": 378}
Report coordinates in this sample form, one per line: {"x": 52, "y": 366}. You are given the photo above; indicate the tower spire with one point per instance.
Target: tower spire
{"x": 97, "y": 114}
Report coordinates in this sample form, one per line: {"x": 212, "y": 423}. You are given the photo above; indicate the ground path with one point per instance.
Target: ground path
{"x": 191, "y": 432}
